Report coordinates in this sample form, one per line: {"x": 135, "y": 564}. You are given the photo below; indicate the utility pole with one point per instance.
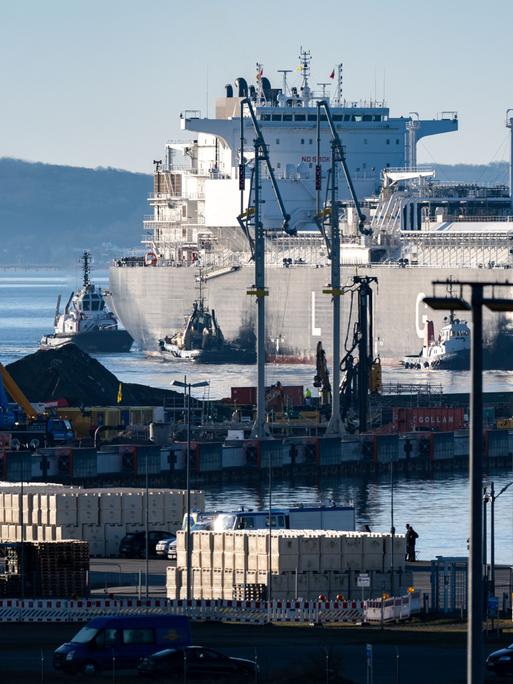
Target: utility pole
{"x": 475, "y": 571}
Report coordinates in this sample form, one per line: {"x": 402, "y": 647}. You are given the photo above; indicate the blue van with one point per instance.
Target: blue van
{"x": 120, "y": 641}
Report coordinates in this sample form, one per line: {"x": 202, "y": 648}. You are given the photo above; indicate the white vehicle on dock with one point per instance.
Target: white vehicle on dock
{"x": 333, "y": 517}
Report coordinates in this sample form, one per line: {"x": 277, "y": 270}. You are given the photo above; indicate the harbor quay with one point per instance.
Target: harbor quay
{"x": 249, "y": 460}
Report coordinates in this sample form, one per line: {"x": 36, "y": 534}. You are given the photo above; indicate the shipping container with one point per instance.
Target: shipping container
{"x": 496, "y": 443}
{"x": 429, "y": 418}
{"x": 207, "y": 456}
{"x": 247, "y": 396}
{"x": 330, "y": 451}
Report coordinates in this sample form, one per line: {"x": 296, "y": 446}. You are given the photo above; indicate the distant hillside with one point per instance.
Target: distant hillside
{"x": 49, "y": 214}
{"x": 495, "y": 173}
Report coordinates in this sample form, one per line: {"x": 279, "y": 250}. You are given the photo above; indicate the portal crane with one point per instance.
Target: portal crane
{"x": 330, "y": 212}
{"x": 246, "y": 218}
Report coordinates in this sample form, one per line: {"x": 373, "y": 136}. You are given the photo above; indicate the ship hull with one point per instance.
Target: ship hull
{"x": 94, "y": 342}
{"x": 151, "y": 301}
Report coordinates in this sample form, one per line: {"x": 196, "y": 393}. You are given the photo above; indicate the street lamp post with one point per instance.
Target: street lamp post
{"x": 187, "y": 386}
{"x": 492, "y": 497}
{"x": 475, "y": 574}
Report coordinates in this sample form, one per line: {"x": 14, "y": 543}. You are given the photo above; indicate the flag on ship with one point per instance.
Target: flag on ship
{"x": 120, "y": 393}
{"x": 332, "y": 75}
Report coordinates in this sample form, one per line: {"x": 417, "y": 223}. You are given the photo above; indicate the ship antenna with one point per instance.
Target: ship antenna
{"x": 259, "y": 74}
{"x": 284, "y": 86}
{"x": 305, "y": 58}
{"x": 340, "y": 72}
{"x": 86, "y": 267}
{"x": 323, "y": 86}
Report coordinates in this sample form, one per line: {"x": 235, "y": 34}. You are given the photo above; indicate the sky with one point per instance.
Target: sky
{"x": 102, "y": 82}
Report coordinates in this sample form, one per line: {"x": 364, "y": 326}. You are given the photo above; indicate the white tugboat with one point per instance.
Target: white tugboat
{"x": 86, "y": 321}
{"x": 451, "y": 351}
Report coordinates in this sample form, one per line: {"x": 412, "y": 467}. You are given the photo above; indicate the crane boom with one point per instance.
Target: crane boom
{"x": 16, "y": 393}
{"x": 342, "y": 159}
{"x": 245, "y": 216}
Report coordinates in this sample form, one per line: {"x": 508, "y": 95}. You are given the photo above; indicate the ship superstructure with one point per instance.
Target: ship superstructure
{"x": 196, "y": 199}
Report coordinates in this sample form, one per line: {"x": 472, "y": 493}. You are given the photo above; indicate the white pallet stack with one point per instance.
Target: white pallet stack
{"x": 49, "y": 512}
{"x": 306, "y": 563}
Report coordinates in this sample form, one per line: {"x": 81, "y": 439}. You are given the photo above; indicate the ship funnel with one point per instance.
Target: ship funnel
{"x": 229, "y": 90}
{"x": 266, "y": 88}
{"x": 242, "y": 85}
{"x": 429, "y": 333}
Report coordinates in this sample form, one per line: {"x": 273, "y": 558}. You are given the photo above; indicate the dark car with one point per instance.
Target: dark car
{"x": 501, "y": 662}
{"x": 133, "y": 545}
{"x": 197, "y": 663}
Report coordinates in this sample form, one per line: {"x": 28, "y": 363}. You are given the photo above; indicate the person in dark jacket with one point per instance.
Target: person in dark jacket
{"x": 411, "y": 538}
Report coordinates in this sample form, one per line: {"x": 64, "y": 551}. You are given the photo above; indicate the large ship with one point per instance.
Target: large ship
{"x": 422, "y": 230}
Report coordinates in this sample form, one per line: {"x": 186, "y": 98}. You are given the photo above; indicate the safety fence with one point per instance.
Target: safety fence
{"x": 256, "y": 612}
{"x": 392, "y": 609}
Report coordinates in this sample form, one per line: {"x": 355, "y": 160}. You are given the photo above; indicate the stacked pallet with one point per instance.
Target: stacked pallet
{"x": 305, "y": 563}
{"x": 46, "y": 569}
{"x": 101, "y": 517}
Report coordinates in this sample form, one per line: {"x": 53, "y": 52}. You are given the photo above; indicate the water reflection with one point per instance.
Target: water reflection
{"x": 436, "y": 505}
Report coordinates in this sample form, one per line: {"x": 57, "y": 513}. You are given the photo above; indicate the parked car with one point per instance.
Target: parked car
{"x": 125, "y": 638}
{"x": 501, "y": 662}
{"x": 171, "y": 551}
{"x": 133, "y": 545}
{"x": 198, "y": 663}
{"x": 163, "y": 545}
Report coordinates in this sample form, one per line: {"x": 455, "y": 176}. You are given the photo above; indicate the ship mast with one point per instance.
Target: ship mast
{"x": 305, "y": 58}
{"x": 86, "y": 267}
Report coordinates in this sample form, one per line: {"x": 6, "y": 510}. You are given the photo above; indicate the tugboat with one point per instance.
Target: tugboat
{"x": 451, "y": 351}
{"x": 202, "y": 340}
{"x": 86, "y": 321}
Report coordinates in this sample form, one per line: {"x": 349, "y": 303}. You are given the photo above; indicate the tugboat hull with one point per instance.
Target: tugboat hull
{"x": 452, "y": 362}
{"x": 92, "y": 342}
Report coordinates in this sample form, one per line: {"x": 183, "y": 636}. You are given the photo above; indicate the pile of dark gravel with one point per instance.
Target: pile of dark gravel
{"x": 71, "y": 374}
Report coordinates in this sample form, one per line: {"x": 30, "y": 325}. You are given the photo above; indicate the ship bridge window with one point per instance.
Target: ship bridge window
{"x": 102, "y": 305}
{"x": 324, "y": 117}
{"x": 302, "y": 141}
{"x": 357, "y": 117}
{"x": 312, "y": 117}
{"x": 376, "y": 117}
{"x": 95, "y": 305}
{"x": 276, "y": 117}
{"x": 287, "y": 117}
{"x": 347, "y": 117}
{"x": 85, "y": 305}
{"x": 277, "y": 141}
{"x": 265, "y": 117}
{"x": 367, "y": 117}
{"x": 337, "y": 117}
{"x": 300, "y": 117}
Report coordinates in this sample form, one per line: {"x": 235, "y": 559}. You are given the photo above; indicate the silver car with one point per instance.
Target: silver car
{"x": 162, "y": 547}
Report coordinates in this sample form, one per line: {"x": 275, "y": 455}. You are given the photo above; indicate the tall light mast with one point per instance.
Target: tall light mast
{"x": 509, "y": 124}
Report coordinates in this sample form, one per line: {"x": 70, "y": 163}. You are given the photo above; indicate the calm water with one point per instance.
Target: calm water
{"x": 437, "y": 507}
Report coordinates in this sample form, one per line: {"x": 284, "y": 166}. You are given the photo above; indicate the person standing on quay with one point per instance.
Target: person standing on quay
{"x": 411, "y": 538}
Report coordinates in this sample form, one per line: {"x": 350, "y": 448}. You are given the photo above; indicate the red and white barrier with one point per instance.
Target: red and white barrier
{"x": 255, "y": 612}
